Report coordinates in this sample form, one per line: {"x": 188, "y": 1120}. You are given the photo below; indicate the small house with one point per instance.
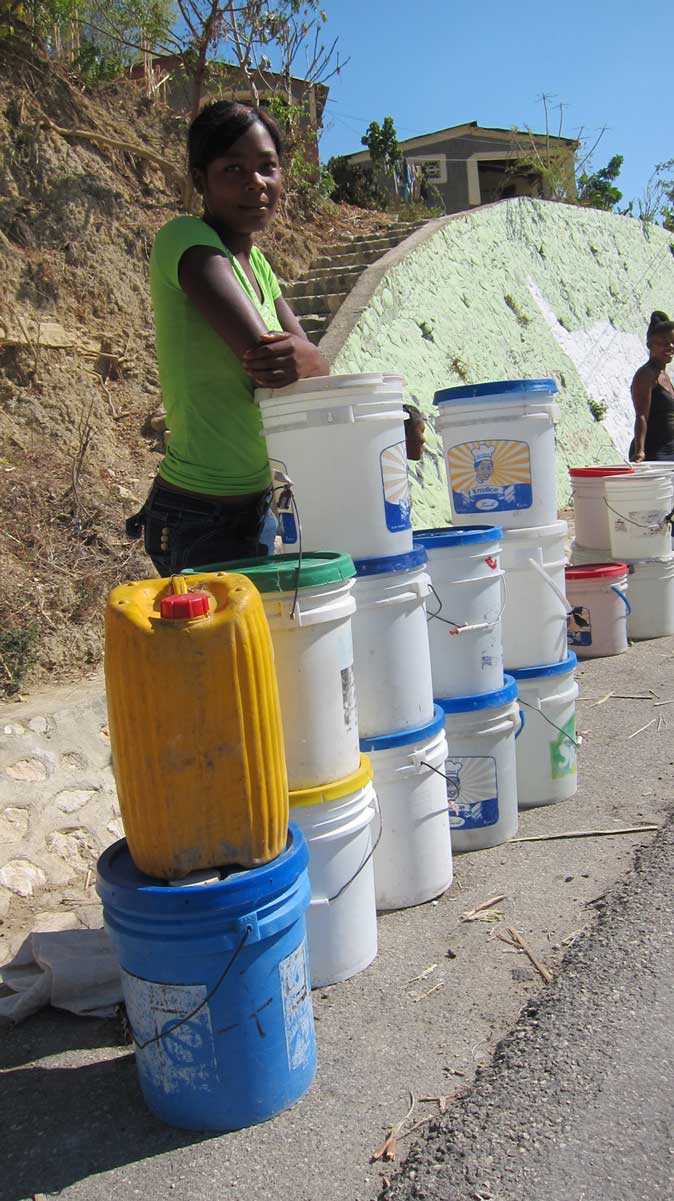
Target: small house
{"x": 469, "y": 165}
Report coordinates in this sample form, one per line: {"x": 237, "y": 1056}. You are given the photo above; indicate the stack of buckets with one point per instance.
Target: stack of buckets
{"x": 499, "y": 444}
{"x": 309, "y": 604}
{"x": 341, "y": 440}
{"x": 205, "y": 899}
{"x": 621, "y": 579}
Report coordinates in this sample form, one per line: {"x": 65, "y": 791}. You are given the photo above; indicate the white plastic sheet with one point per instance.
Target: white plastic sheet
{"x": 76, "y": 970}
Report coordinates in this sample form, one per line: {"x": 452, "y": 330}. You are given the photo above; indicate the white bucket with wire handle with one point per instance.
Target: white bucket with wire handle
{"x": 499, "y": 444}
{"x": 534, "y": 617}
{"x": 413, "y": 862}
{"x": 546, "y": 751}
{"x": 599, "y": 609}
{"x": 590, "y": 512}
{"x": 341, "y": 440}
{"x": 480, "y": 770}
{"x": 651, "y": 592}
{"x": 309, "y": 603}
{"x": 337, "y": 823}
{"x": 392, "y": 661}
{"x": 639, "y": 506}
{"x": 464, "y": 612}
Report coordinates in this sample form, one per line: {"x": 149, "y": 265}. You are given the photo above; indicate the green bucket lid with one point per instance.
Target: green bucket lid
{"x": 278, "y": 573}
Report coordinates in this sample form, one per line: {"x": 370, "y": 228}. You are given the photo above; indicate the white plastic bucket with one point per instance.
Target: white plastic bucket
{"x": 585, "y": 554}
{"x": 600, "y": 607}
{"x": 657, "y": 466}
{"x": 480, "y": 768}
{"x": 413, "y": 861}
{"x": 546, "y": 750}
{"x": 534, "y": 617}
{"x": 341, "y": 440}
{"x": 336, "y": 822}
{"x": 392, "y": 661}
{"x": 309, "y": 616}
{"x": 499, "y": 444}
{"x": 464, "y": 614}
{"x": 638, "y": 507}
{"x": 590, "y": 512}
{"x": 651, "y": 592}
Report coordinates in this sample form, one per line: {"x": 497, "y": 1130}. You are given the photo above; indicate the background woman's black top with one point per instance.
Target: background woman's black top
{"x": 659, "y": 442}
{"x": 660, "y": 429}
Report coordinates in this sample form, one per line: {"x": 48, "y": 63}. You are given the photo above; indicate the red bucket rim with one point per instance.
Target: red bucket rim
{"x": 597, "y": 571}
{"x": 588, "y": 473}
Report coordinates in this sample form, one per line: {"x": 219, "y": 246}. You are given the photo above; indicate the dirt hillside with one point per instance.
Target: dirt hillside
{"x": 78, "y": 379}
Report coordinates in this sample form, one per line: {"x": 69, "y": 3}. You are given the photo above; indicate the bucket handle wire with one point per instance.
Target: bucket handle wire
{"x": 577, "y": 742}
{"x": 248, "y": 930}
{"x": 652, "y": 529}
{"x": 363, "y": 865}
{"x": 286, "y": 491}
{"x": 473, "y": 627}
{"x": 625, "y": 599}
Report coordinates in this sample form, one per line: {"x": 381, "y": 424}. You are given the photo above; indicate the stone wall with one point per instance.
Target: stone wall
{"x": 523, "y": 288}
{"x": 58, "y": 811}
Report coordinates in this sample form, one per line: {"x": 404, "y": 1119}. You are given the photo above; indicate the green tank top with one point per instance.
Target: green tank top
{"x": 216, "y": 442}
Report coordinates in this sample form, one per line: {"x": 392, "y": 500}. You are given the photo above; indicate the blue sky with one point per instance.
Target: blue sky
{"x": 436, "y": 63}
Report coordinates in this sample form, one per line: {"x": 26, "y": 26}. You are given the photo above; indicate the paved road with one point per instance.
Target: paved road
{"x": 579, "y": 1103}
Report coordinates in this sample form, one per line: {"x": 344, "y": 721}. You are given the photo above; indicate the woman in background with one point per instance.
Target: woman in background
{"x": 653, "y": 396}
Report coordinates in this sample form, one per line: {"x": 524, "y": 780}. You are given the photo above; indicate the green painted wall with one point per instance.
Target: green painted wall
{"x": 462, "y": 307}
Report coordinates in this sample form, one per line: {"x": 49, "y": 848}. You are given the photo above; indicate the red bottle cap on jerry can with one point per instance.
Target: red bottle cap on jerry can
{"x": 183, "y": 606}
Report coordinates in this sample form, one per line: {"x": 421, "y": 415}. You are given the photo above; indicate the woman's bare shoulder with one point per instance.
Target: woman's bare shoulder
{"x": 643, "y": 375}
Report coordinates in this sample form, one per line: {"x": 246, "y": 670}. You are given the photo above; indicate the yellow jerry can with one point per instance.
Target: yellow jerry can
{"x": 195, "y": 724}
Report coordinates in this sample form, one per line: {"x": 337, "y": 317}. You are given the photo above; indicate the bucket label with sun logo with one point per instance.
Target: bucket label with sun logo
{"x": 492, "y": 476}
{"x": 396, "y": 487}
{"x": 472, "y": 792}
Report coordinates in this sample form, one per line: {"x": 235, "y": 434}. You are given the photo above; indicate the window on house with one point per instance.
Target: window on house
{"x": 434, "y": 165}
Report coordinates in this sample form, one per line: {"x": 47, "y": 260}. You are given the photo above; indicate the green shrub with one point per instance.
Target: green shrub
{"x": 598, "y": 409}
{"x": 17, "y": 654}
{"x": 356, "y": 184}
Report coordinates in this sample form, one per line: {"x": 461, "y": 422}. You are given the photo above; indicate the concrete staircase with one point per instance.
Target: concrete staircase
{"x": 318, "y": 294}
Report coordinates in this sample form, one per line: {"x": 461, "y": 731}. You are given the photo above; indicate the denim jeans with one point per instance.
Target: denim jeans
{"x": 186, "y": 531}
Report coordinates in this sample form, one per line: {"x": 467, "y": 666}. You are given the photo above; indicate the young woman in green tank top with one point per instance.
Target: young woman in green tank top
{"x": 222, "y": 329}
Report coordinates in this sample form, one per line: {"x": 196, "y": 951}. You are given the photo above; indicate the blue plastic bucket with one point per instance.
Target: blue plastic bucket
{"x": 216, "y": 986}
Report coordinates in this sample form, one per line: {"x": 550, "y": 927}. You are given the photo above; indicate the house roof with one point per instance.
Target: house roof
{"x": 457, "y": 131}
{"x": 170, "y": 62}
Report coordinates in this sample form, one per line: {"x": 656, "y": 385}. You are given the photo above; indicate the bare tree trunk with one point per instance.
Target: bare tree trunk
{"x": 197, "y": 92}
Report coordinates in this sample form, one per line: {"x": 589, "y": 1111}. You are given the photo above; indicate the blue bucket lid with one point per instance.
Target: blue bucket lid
{"x": 480, "y": 700}
{"x": 532, "y": 387}
{"x": 120, "y": 885}
{"x": 384, "y": 564}
{"x": 545, "y": 669}
{"x": 382, "y": 742}
{"x": 457, "y": 535}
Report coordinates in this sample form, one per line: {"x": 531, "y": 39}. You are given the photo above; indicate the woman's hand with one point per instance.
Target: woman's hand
{"x": 282, "y": 358}
{"x": 639, "y": 456}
